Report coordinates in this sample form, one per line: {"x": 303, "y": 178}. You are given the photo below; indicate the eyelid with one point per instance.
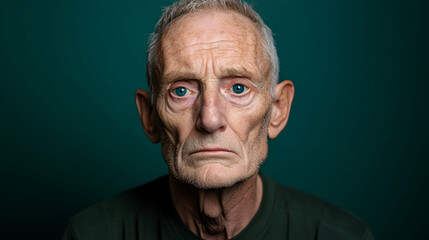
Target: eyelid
{"x": 182, "y": 84}
{"x": 243, "y": 80}
{"x": 229, "y": 83}
{"x": 251, "y": 82}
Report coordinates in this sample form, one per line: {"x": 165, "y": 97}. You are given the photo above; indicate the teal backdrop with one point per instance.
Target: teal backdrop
{"x": 357, "y": 135}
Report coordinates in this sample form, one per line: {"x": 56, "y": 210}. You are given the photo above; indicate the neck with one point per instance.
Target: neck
{"x": 217, "y": 213}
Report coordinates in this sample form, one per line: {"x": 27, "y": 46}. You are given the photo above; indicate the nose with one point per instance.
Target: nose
{"x": 210, "y": 118}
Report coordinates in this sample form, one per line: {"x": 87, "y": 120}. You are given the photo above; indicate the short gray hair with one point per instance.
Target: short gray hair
{"x": 154, "y": 65}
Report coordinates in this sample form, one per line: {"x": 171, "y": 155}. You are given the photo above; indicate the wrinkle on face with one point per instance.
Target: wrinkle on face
{"x": 214, "y": 50}
{"x": 191, "y": 43}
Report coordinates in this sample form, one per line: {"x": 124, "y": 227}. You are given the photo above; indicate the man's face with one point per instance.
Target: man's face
{"x": 214, "y": 99}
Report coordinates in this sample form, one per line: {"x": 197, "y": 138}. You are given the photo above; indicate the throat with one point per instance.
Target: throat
{"x": 217, "y": 213}
{"x": 212, "y": 214}
{"x": 212, "y": 228}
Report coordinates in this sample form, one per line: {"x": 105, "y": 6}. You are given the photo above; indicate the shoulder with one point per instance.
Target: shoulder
{"x": 326, "y": 218}
{"x": 146, "y": 200}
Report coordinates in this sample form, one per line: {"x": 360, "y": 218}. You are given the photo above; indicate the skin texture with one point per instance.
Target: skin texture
{"x": 198, "y": 50}
{"x": 213, "y": 138}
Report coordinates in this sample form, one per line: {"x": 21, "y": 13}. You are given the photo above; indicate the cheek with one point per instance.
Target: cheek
{"x": 257, "y": 146}
{"x": 176, "y": 120}
{"x": 249, "y": 125}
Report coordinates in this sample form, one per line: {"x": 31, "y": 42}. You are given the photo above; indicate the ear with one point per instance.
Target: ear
{"x": 283, "y": 96}
{"x": 147, "y": 116}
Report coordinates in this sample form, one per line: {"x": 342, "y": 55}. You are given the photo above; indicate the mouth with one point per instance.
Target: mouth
{"x": 210, "y": 151}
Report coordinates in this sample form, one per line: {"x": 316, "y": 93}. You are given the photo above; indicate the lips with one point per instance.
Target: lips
{"x": 212, "y": 151}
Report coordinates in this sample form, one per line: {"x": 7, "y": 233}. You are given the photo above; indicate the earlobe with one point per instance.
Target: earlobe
{"x": 282, "y": 102}
{"x": 146, "y": 114}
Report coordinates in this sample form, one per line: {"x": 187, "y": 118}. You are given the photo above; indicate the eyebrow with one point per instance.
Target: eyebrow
{"x": 175, "y": 76}
{"x": 237, "y": 72}
{"x": 227, "y": 72}
{"x": 241, "y": 71}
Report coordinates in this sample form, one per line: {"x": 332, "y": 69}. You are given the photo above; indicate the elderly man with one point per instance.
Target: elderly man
{"x": 214, "y": 99}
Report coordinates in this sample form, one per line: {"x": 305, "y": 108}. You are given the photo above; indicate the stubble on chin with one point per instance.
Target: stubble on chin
{"x": 198, "y": 178}
{"x": 206, "y": 176}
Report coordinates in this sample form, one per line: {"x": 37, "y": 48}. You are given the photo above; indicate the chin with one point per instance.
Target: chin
{"x": 213, "y": 176}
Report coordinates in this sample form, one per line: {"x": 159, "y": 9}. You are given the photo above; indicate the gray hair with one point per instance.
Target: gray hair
{"x": 154, "y": 65}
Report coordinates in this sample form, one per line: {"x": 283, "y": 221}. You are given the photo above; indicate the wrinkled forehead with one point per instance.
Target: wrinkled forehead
{"x": 206, "y": 28}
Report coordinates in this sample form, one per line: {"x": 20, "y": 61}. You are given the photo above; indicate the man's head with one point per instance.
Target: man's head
{"x": 213, "y": 99}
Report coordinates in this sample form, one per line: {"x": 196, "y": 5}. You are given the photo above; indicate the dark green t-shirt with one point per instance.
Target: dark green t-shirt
{"x": 147, "y": 212}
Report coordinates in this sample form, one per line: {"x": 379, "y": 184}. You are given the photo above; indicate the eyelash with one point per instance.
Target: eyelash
{"x": 179, "y": 88}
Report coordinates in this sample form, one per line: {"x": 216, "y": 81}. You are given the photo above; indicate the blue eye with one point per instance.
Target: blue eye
{"x": 180, "y": 91}
{"x": 239, "y": 88}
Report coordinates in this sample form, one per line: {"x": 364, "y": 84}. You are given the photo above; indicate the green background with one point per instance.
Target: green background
{"x": 357, "y": 135}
